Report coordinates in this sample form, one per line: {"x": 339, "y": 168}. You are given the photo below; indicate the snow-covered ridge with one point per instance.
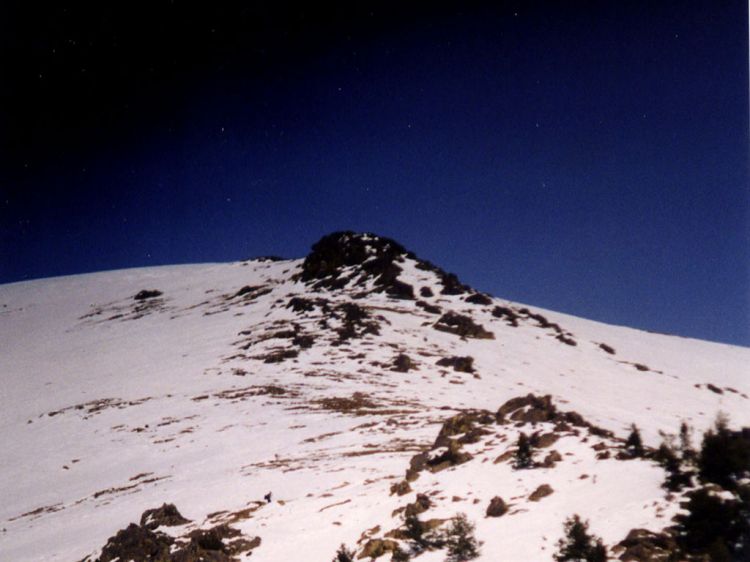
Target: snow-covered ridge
{"x": 319, "y": 380}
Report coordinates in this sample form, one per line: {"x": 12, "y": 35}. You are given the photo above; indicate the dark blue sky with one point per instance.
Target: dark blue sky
{"x": 591, "y": 159}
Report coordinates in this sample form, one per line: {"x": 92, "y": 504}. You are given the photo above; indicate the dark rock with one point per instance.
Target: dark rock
{"x": 479, "y": 298}
{"x": 138, "y": 544}
{"x": 607, "y": 349}
{"x": 551, "y": 458}
{"x": 426, "y": 292}
{"x": 421, "y": 505}
{"x": 461, "y": 325}
{"x": 642, "y": 545}
{"x": 459, "y": 364}
{"x": 400, "y": 488}
{"x": 147, "y": 294}
{"x": 402, "y": 363}
{"x": 427, "y": 307}
{"x": 166, "y": 516}
{"x": 541, "y": 492}
{"x": 375, "y": 548}
{"x": 510, "y": 317}
{"x": 497, "y": 507}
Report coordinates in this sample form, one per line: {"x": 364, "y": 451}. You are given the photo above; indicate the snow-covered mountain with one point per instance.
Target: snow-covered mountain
{"x": 356, "y": 386}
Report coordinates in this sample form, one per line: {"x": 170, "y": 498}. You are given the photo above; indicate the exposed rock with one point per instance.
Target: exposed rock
{"x": 459, "y": 364}
{"x": 544, "y": 440}
{"x": 479, "y": 298}
{"x": 541, "y": 492}
{"x": 497, "y": 507}
{"x": 427, "y": 307}
{"x": 145, "y": 294}
{"x": 536, "y": 409}
{"x": 551, "y": 458}
{"x": 420, "y": 505}
{"x": 164, "y": 516}
{"x": 642, "y": 545}
{"x": 402, "y": 363}
{"x": 400, "y": 488}
{"x": 606, "y": 348}
{"x": 510, "y": 317}
{"x": 138, "y": 544}
{"x": 375, "y": 548}
{"x": 461, "y": 325}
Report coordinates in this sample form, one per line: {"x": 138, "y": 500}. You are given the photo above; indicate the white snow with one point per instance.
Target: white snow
{"x": 104, "y": 414}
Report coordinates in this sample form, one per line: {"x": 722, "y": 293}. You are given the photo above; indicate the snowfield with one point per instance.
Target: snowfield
{"x": 230, "y": 381}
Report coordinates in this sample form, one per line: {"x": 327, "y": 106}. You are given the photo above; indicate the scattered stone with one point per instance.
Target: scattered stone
{"x": 541, "y": 492}
{"x": 164, "y": 516}
{"x": 551, "y": 458}
{"x": 479, "y": 298}
{"x": 402, "y": 363}
{"x": 497, "y": 507}
{"x": 462, "y": 326}
{"x": 147, "y": 294}
{"x": 400, "y": 488}
{"x": 459, "y": 364}
{"x": 642, "y": 545}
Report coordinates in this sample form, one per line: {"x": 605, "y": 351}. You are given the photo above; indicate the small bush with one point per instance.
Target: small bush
{"x": 725, "y": 455}
{"x": 460, "y": 540}
{"x": 343, "y": 554}
{"x": 578, "y": 545}
{"x": 634, "y": 444}
{"x": 524, "y": 457}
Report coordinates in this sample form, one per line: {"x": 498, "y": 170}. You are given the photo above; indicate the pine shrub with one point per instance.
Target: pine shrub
{"x": 634, "y": 444}
{"x": 460, "y": 540}
{"x": 524, "y": 454}
{"x": 578, "y": 545}
{"x": 343, "y": 554}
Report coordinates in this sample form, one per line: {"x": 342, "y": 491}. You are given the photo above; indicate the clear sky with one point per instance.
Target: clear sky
{"x": 587, "y": 157}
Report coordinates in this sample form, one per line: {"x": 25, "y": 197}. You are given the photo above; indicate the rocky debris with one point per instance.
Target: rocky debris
{"x": 347, "y": 257}
{"x": 251, "y": 292}
{"x": 510, "y": 317}
{"x": 467, "y": 425}
{"x": 497, "y": 507}
{"x": 375, "y": 548}
{"x": 164, "y": 516}
{"x": 427, "y": 307}
{"x": 541, "y": 492}
{"x": 358, "y": 404}
{"x": 642, "y": 545}
{"x": 535, "y": 409}
{"x": 278, "y": 355}
{"x": 138, "y": 544}
{"x": 144, "y": 543}
{"x": 479, "y": 298}
{"x": 146, "y": 294}
{"x": 402, "y": 363}
{"x": 551, "y": 458}
{"x": 420, "y": 505}
{"x": 463, "y": 326}
{"x": 459, "y": 364}
{"x": 400, "y": 488}
{"x": 607, "y": 348}
{"x": 356, "y": 322}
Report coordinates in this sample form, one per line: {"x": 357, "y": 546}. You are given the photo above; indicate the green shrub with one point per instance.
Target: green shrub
{"x": 578, "y": 545}
{"x": 460, "y": 541}
{"x": 524, "y": 454}
{"x": 343, "y": 554}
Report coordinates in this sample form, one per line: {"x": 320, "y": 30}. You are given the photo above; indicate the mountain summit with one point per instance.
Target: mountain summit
{"x": 360, "y": 402}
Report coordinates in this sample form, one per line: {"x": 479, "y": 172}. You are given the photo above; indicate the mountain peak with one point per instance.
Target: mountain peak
{"x": 349, "y": 258}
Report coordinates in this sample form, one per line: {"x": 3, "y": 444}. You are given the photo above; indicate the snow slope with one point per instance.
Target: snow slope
{"x": 112, "y": 405}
